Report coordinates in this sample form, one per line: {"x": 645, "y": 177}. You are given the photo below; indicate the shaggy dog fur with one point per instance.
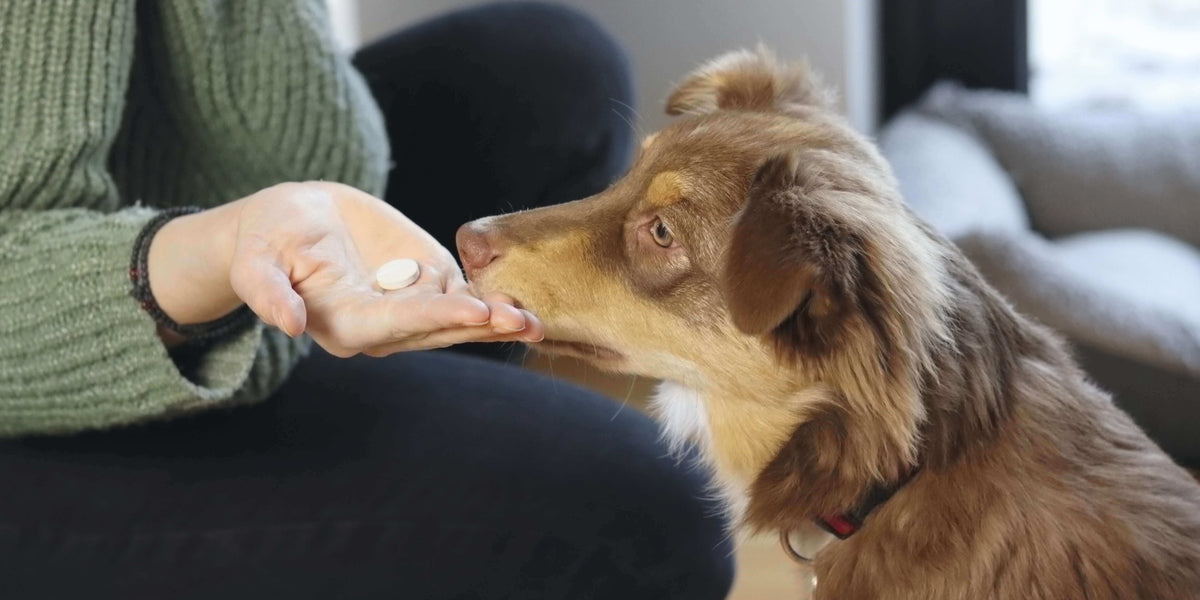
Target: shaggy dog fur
{"x": 816, "y": 339}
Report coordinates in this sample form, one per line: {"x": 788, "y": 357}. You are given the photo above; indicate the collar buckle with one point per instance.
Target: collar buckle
{"x": 785, "y": 540}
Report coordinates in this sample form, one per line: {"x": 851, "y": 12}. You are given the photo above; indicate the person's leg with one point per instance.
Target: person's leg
{"x": 497, "y": 108}
{"x": 425, "y": 475}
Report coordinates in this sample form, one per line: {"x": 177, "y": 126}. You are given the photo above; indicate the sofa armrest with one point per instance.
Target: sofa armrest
{"x": 949, "y": 178}
{"x": 1031, "y": 272}
{"x": 1087, "y": 170}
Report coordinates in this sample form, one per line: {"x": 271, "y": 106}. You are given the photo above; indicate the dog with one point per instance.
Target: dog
{"x": 835, "y": 359}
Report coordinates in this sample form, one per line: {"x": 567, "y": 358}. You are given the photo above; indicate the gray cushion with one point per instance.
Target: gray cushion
{"x": 1131, "y": 293}
{"x": 1141, "y": 266}
{"x": 1088, "y": 170}
{"x": 949, "y": 178}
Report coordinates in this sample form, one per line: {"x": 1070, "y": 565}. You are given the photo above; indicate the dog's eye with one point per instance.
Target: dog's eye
{"x": 661, "y": 234}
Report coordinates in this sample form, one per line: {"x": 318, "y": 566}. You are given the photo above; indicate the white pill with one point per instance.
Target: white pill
{"x": 397, "y": 274}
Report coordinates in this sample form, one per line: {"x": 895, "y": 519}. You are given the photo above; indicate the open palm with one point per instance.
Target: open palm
{"x": 305, "y": 260}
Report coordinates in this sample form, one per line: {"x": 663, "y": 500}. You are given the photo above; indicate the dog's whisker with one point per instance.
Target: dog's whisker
{"x": 729, "y": 537}
{"x": 632, "y": 123}
{"x": 512, "y": 348}
{"x": 625, "y": 401}
{"x": 632, "y": 127}
{"x": 553, "y": 377}
{"x": 631, "y": 108}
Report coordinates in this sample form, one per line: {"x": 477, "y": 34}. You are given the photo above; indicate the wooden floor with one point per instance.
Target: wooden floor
{"x": 763, "y": 571}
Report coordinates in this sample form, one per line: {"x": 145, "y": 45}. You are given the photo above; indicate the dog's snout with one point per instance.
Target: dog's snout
{"x": 477, "y": 245}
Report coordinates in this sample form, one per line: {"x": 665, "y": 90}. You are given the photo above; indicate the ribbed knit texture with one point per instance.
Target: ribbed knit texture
{"x": 105, "y": 104}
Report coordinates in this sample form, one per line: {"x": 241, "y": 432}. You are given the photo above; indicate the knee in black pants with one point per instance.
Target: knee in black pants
{"x": 702, "y": 565}
{"x": 497, "y": 108}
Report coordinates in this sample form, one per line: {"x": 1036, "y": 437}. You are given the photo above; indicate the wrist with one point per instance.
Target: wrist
{"x": 188, "y": 266}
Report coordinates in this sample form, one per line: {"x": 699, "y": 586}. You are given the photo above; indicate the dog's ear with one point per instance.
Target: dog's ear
{"x": 746, "y": 80}
{"x": 793, "y": 267}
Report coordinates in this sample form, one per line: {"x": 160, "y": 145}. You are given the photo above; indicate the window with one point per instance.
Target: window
{"x": 1131, "y": 53}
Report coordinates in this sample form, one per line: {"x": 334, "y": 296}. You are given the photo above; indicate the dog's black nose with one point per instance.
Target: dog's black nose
{"x": 477, "y": 246}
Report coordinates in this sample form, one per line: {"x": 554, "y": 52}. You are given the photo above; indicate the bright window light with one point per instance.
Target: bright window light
{"x": 1129, "y": 53}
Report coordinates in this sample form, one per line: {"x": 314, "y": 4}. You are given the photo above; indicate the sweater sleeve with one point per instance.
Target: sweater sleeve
{"x": 80, "y": 353}
{"x": 76, "y": 351}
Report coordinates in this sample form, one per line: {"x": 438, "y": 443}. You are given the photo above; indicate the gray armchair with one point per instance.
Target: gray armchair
{"x": 1087, "y": 221}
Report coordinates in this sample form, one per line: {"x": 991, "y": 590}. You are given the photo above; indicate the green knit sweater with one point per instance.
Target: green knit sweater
{"x": 110, "y": 109}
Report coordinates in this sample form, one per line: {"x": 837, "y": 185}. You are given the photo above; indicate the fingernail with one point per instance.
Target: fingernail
{"x": 476, "y": 324}
{"x": 508, "y": 330}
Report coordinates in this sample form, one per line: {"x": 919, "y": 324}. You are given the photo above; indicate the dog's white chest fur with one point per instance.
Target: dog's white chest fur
{"x": 684, "y": 419}
{"x": 683, "y": 416}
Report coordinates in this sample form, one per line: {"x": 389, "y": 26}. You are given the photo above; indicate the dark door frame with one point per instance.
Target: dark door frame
{"x": 980, "y": 43}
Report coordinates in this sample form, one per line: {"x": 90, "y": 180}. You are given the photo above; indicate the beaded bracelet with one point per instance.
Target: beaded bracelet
{"x": 139, "y": 275}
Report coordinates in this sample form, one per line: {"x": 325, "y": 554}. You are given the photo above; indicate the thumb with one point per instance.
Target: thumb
{"x": 263, "y": 284}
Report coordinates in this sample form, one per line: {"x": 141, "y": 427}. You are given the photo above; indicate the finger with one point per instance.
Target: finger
{"x": 395, "y": 319}
{"x": 535, "y": 331}
{"x": 449, "y": 337}
{"x": 261, "y": 282}
{"x": 361, "y": 318}
{"x": 505, "y": 318}
{"x": 449, "y": 311}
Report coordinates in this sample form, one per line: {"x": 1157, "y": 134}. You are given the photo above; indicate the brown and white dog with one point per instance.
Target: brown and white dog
{"x": 819, "y": 343}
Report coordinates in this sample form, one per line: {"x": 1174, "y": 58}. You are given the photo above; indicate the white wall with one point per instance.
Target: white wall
{"x": 668, "y": 38}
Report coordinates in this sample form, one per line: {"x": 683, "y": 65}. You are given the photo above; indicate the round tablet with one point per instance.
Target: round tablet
{"x": 399, "y": 273}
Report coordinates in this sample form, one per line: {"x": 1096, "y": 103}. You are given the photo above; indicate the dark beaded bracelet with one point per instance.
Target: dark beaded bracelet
{"x": 139, "y": 275}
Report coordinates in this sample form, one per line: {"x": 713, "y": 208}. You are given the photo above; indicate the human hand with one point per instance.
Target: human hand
{"x": 302, "y": 256}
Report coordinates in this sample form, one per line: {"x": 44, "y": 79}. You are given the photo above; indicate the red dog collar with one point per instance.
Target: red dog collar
{"x": 844, "y": 525}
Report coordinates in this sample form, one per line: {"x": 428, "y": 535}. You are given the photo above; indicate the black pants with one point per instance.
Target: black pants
{"x": 424, "y": 475}
{"x": 500, "y": 108}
